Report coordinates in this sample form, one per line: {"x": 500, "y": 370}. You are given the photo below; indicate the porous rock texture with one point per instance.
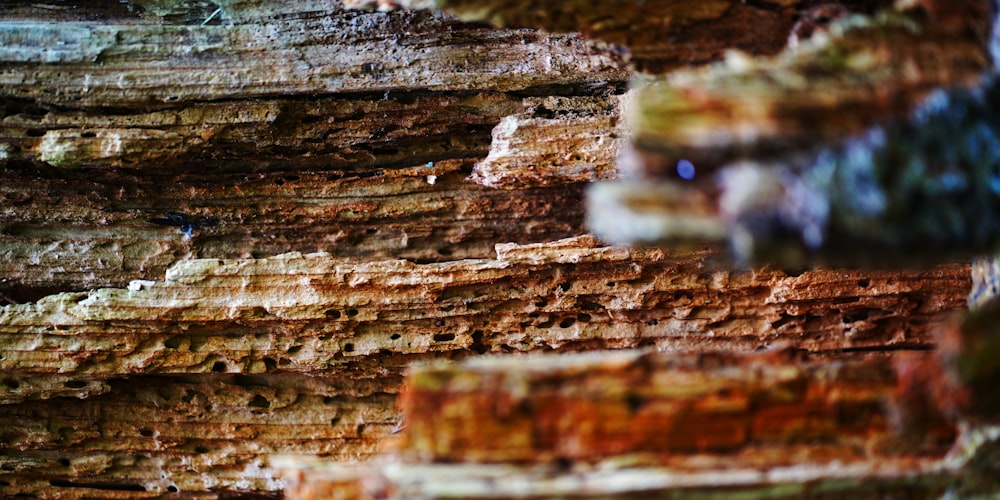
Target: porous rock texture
{"x": 650, "y": 425}
{"x": 228, "y": 228}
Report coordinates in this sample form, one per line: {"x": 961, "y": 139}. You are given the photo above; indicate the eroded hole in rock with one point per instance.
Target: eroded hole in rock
{"x": 444, "y": 337}
{"x": 146, "y": 432}
{"x": 861, "y": 315}
{"x": 348, "y": 347}
{"x": 270, "y": 364}
{"x": 76, "y": 384}
{"x": 218, "y": 367}
{"x": 635, "y": 402}
{"x": 11, "y": 383}
{"x": 259, "y": 401}
{"x": 332, "y": 314}
{"x": 782, "y": 321}
{"x": 567, "y": 322}
{"x": 477, "y": 343}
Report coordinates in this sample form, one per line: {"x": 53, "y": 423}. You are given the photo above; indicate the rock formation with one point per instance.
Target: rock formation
{"x": 230, "y": 228}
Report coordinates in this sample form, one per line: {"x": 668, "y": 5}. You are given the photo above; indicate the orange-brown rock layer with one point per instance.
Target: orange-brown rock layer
{"x": 314, "y": 312}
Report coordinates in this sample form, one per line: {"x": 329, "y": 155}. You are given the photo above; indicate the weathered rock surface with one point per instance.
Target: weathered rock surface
{"x": 656, "y": 35}
{"x": 77, "y": 231}
{"x": 869, "y": 70}
{"x": 635, "y": 425}
{"x": 229, "y": 227}
{"x": 555, "y": 141}
{"x": 314, "y": 312}
{"x": 150, "y": 436}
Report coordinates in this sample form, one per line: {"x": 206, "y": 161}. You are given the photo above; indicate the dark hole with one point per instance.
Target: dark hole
{"x": 34, "y": 132}
{"x": 795, "y": 272}
{"x": 348, "y": 347}
{"x": 584, "y": 317}
{"x": 4, "y": 483}
{"x": 394, "y": 336}
{"x": 634, "y": 402}
{"x": 445, "y": 251}
{"x": 64, "y": 462}
{"x": 11, "y": 383}
{"x": 334, "y": 421}
{"x": 653, "y": 322}
{"x": 683, "y": 295}
{"x": 564, "y": 463}
{"x": 146, "y": 432}
{"x": 201, "y": 449}
{"x": 444, "y": 337}
{"x": 371, "y": 230}
{"x": 270, "y": 364}
{"x": 172, "y": 489}
{"x": 76, "y": 384}
{"x": 218, "y": 366}
{"x": 610, "y": 284}
{"x": 258, "y": 401}
{"x": 477, "y": 342}
{"x": 173, "y": 343}
{"x": 782, "y": 321}
{"x": 546, "y": 324}
{"x": 541, "y": 303}
{"x": 565, "y": 286}
{"x": 360, "y": 429}
{"x": 864, "y": 283}
{"x": 566, "y": 323}
{"x": 88, "y": 135}
{"x": 352, "y": 313}
{"x": 291, "y": 178}
{"x": 294, "y": 349}
{"x": 280, "y": 182}
{"x": 856, "y": 316}
{"x": 332, "y": 314}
